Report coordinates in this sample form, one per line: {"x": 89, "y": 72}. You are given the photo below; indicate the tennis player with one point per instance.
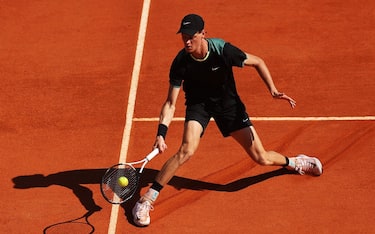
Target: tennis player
{"x": 204, "y": 69}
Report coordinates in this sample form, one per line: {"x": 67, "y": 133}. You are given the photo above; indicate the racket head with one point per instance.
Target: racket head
{"x": 112, "y": 191}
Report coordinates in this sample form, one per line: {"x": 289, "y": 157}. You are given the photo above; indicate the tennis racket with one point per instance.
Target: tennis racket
{"x": 115, "y": 192}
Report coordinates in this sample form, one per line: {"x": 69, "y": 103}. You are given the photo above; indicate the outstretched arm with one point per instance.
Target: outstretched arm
{"x": 264, "y": 73}
{"x": 166, "y": 115}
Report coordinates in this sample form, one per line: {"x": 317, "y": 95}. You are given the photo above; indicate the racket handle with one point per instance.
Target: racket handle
{"x": 151, "y": 155}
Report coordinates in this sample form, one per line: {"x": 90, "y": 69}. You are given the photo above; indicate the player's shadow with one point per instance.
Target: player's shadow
{"x": 76, "y": 179}
{"x": 72, "y": 180}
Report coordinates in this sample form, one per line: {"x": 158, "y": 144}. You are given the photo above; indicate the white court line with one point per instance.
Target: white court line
{"x": 317, "y": 118}
{"x": 131, "y": 102}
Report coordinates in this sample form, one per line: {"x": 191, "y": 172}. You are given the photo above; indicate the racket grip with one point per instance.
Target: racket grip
{"x": 151, "y": 155}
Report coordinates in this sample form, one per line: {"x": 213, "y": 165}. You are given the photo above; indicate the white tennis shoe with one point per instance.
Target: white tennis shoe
{"x": 141, "y": 213}
{"x": 308, "y": 165}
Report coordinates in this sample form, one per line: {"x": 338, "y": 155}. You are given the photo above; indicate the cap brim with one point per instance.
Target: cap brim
{"x": 189, "y": 32}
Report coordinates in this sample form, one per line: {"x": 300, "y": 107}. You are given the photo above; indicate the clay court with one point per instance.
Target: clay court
{"x": 78, "y": 95}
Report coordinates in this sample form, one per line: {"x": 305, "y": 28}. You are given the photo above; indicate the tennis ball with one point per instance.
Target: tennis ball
{"x": 123, "y": 181}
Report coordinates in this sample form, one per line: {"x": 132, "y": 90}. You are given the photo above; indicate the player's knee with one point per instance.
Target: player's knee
{"x": 263, "y": 162}
{"x": 261, "y": 158}
{"x": 184, "y": 155}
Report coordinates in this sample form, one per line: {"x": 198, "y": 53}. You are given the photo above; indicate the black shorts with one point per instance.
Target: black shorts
{"x": 229, "y": 120}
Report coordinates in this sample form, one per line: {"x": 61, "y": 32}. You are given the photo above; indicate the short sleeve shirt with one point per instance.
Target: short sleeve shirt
{"x": 210, "y": 80}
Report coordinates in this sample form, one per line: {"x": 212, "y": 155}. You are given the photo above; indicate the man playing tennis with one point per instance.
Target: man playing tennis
{"x": 204, "y": 69}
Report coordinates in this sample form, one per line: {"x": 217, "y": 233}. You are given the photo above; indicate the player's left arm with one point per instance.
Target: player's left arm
{"x": 264, "y": 73}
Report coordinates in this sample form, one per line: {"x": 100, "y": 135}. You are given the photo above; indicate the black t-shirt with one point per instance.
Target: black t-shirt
{"x": 208, "y": 80}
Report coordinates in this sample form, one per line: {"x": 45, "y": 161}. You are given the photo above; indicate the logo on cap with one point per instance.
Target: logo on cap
{"x": 191, "y": 24}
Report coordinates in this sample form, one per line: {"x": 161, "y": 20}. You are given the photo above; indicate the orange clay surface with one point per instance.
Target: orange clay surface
{"x": 66, "y": 69}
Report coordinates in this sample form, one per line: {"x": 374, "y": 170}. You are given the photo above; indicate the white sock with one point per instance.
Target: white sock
{"x": 151, "y": 195}
{"x": 291, "y": 163}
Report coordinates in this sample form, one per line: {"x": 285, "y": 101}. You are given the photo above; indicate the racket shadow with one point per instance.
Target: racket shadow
{"x": 76, "y": 225}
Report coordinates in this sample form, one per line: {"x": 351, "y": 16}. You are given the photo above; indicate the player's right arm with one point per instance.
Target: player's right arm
{"x": 166, "y": 114}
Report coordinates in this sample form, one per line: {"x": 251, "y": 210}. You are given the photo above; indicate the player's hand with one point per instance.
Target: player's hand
{"x": 280, "y": 95}
{"x": 160, "y": 144}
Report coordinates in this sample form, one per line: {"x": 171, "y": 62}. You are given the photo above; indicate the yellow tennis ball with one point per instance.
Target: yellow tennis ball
{"x": 123, "y": 181}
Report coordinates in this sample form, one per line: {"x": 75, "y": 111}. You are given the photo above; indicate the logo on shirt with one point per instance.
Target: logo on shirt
{"x": 215, "y": 68}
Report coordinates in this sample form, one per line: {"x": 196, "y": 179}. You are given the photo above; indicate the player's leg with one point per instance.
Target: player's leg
{"x": 248, "y": 138}
{"x": 250, "y": 141}
{"x": 190, "y": 142}
{"x": 235, "y": 122}
{"x": 196, "y": 120}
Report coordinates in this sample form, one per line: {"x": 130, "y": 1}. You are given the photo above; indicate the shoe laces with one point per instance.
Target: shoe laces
{"x": 305, "y": 165}
{"x": 144, "y": 209}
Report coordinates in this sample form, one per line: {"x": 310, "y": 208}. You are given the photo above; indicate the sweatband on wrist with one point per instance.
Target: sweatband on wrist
{"x": 162, "y": 130}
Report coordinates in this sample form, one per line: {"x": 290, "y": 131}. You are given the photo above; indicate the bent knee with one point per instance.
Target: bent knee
{"x": 262, "y": 161}
{"x": 261, "y": 158}
{"x": 183, "y": 155}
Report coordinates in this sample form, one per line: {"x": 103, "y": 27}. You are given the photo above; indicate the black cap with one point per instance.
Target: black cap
{"x": 191, "y": 24}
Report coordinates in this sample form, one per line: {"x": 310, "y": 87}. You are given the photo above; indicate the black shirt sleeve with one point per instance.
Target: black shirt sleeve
{"x": 233, "y": 55}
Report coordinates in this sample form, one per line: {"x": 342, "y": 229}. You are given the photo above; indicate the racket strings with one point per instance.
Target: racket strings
{"x": 112, "y": 190}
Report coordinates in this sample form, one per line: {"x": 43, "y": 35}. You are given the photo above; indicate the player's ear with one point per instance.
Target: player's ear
{"x": 203, "y": 32}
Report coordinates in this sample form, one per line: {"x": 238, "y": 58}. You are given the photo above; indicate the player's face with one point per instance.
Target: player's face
{"x": 193, "y": 43}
